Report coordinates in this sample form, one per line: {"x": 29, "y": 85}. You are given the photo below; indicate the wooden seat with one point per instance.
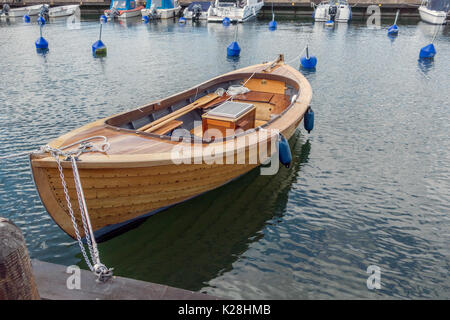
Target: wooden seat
{"x": 168, "y": 127}
{"x": 197, "y": 131}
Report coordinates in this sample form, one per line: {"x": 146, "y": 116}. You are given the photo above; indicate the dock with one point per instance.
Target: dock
{"x": 25, "y": 279}
{"x": 295, "y": 8}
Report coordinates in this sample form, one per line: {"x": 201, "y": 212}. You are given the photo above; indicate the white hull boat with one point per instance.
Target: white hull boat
{"x": 337, "y": 11}
{"x": 161, "y": 13}
{"x": 161, "y": 9}
{"x": 20, "y": 12}
{"x": 197, "y": 11}
{"x": 434, "y": 11}
{"x": 63, "y": 11}
{"x": 235, "y": 10}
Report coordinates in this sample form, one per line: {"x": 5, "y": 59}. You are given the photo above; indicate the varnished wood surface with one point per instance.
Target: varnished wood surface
{"x": 151, "y": 149}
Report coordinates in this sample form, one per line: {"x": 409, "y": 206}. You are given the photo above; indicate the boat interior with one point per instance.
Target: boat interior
{"x": 231, "y": 104}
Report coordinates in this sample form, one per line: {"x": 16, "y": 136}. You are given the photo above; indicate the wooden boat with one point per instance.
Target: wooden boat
{"x": 138, "y": 176}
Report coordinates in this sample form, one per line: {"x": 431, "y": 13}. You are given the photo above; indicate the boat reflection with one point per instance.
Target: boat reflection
{"x": 196, "y": 241}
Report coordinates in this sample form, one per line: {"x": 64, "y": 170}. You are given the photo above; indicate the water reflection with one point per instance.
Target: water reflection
{"x": 204, "y": 236}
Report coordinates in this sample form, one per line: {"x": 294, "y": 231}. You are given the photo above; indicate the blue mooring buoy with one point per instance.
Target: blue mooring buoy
{"x": 99, "y": 48}
{"x": 272, "y": 25}
{"x": 146, "y": 19}
{"x": 226, "y": 21}
{"x": 233, "y": 50}
{"x": 26, "y": 18}
{"x": 40, "y": 20}
{"x": 427, "y": 52}
{"x": 393, "y": 30}
{"x": 284, "y": 151}
{"x": 182, "y": 20}
{"x": 329, "y": 23}
{"x": 41, "y": 44}
{"x": 103, "y": 18}
{"x": 308, "y": 120}
{"x": 307, "y": 61}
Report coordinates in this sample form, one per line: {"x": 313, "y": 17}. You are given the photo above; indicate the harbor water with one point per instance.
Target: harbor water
{"x": 368, "y": 187}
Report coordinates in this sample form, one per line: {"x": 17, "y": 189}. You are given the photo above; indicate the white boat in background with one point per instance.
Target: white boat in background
{"x": 63, "y": 11}
{"x": 434, "y": 11}
{"x": 20, "y": 12}
{"x": 235, "y": 10}
{"x": 197, "y": 10}
{"x": 161, "y": 9}
{"x": 334, "y": 10}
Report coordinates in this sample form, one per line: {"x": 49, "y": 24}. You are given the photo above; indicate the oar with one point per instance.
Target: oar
{"x": 178, "y": 113}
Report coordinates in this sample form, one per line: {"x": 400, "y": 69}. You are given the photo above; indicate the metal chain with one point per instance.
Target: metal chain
{"x": 101, "y": 271}
{"x": 72, "y": 216}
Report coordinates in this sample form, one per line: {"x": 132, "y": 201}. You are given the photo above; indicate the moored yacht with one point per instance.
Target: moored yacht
{"x": 197, "y": 10}
{"x": 333, "y": 10}
{"x": 161, "y": 9}
{"x": 235, "y": 10}
{"x": 123, "y": 9}
{"x": 434, "y": 11}
{"x": 63, "y": 11}
{"x": 22, "y": 11}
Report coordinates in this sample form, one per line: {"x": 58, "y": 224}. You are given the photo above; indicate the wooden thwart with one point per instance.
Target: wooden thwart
{"x": 152, "y": 126}
{"x": 168, "y": 127}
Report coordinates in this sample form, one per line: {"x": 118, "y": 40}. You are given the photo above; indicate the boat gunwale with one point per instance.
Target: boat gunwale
{"x": 211, "y": 82}
{"x": 304, "y": 95}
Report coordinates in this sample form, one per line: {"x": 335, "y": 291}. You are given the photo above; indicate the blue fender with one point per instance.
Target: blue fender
{"x": 284, "y": 151}
{"x": 308, "y": 120}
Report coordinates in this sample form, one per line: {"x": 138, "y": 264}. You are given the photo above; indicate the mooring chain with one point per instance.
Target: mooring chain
{"x": 72, "y": 216}
{"x": 101, "y": 271}
{"x": 95, "y": 265}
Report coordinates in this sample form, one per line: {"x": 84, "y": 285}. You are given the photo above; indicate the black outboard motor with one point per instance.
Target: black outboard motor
{"x": 114, "y": 12}
{"x": 5, "y": 9}
{"x": 332, "y": 11}
{"x": 43, "y": 12}
{"x": 196, "y": 12}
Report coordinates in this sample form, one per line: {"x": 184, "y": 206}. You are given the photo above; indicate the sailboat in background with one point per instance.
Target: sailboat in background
{"x": 434, "y": 11}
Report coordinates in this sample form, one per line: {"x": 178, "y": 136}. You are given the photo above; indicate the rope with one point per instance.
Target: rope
{"x": 85, "y": 147}
{"x": 298, "y": 55}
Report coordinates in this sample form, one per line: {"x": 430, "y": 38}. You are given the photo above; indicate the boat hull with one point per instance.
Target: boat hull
{"x": 234, "y": 14}
{"x": 343, "y": 14}
{"x": 63, "y": 11}
{"x": 162, "y": 13}
{"x": 20, "y": 12}
{"x": 431, "y": 16}
{"x": 121, "y": 187}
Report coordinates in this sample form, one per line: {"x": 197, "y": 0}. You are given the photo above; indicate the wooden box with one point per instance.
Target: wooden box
{"x": 228, "y": 116}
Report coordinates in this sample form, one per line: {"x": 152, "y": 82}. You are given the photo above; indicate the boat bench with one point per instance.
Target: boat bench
{"x": 168, "y": 127}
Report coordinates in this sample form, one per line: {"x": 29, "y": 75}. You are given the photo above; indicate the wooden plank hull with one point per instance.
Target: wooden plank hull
{"x": 138, "y": 176}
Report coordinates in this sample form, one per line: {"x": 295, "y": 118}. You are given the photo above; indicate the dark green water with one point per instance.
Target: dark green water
{"x": 369, "y": 186}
